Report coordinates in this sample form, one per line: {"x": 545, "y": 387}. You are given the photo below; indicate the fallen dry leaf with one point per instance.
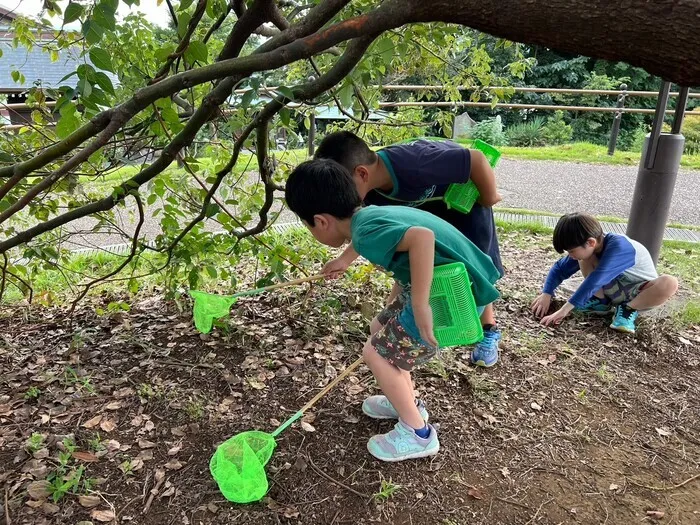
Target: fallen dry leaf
{"x": 308, "y": 427}
{"x": 89, "y": 501}
{"x": 175, "y": 449}
{"x": 93, "y": 422}
{"x": 173, "y": 464}
{"x": 39, "y": 490}
{"x": 535, "y": 406}
{"x": 49, "y": 508}
{"x": 144, "y": 443}
{"x": 85, "y": 456}
{"x": 613, "y": 486}
{"x": 102, "y": 515}
{"x": 114, "y": 405}
{"x": 108, "y": 425}
{"x": 656, "y": 514}
{"x": 663, "y": 431}
{"x": 475, "y": 493}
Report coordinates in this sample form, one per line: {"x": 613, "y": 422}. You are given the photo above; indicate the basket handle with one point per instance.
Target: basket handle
{"x": 318, "y": 396}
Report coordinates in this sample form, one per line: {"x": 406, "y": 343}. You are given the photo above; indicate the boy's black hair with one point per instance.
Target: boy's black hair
{"x": 574, "y": 229}
{"x": 347, "y": 149}
{"x": 321, "y": 186}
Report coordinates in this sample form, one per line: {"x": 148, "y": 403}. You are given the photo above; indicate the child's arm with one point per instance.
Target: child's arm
{"x": 333, "y": 269}
{"x": 562, "y": 269}
{"x": 420, "y": 245}
{"x": 484, "y": 179}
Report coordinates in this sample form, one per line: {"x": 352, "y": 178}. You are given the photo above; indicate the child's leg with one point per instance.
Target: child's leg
{"x": 394, "y": 306}
{"x": 655, "y": 293}
{"x": 488, "y": 317}
{"x": 587, "y": 266}
{"x": 396, "y": 385}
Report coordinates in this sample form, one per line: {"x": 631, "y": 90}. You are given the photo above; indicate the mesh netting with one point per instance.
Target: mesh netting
{"x": 208, "y": 307}
{"x": 238, "y": 466}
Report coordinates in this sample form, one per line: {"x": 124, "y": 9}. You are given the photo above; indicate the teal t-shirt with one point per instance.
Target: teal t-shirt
{"x": 376, "y": 231}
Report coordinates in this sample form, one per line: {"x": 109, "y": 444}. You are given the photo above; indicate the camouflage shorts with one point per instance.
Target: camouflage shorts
{"x": 623, "y": 290}
{"x": 394, "y": 344}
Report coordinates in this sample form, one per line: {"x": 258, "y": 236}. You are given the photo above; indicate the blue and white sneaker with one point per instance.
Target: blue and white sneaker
{"x": 379, "y": 407}
{"x": 403, "y": 443}
{"x": 624, "y": 319}
{"x": 486, "y": 351}
{"x": 596, "y": 307}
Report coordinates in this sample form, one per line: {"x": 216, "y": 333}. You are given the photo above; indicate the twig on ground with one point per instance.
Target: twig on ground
{"x": 672, "y": 487}
{"x": 8, "y": 521}
{"x": 532, "y": 520}
{"x": 332, "y": 480}
{"x": 511, "y": 502}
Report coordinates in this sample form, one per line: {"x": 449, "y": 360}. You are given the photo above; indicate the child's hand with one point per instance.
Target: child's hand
{"x": 540, "y": 306}
{"x": 423, "y": 316}
{"x": 335, "y": 268}
{"x": 557, "y": 316}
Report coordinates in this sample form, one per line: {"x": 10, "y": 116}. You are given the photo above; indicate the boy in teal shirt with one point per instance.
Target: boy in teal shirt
{"x": 408, "y": 243}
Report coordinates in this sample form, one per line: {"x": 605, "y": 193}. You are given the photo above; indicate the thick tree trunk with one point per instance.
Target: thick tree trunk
{"x": 661, "y": 36}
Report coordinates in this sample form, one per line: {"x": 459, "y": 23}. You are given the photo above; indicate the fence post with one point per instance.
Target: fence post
{"x": 615, "y": 131}
{"x": 312, "y": 133}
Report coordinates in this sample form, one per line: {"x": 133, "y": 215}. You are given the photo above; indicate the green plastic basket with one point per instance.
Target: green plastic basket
{"x": 462, "y": 197}
{"x": 238, "y": 466}
{"x": 456, "y": 319}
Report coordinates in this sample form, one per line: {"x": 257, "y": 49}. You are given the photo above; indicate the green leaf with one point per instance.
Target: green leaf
{"x": 104, "y": 16}
{"x": 101, "y": 59}
{"x": 287, "y": 92}
{"x": 67, "y": 76}
{"x": 385, "y": 48}
{"x": 68, "y": 123}
{"x": 184, "y": 4}
{"x": 104, "y": 82}
{"x": 152, "y": 199}
{"x": 284, "y": 115}
{"x": 345, "y": 95}
{"x": 247, "y": 98}
{"x": 133, "y": 285}
{"x": 197, "y": 50}
{"x": 84, "y": 87}
{"x": 73, "y": 12}
{"x": 182, "y": 24}
{"x": 212, "y": 209}
{"x": 6, "y": 157}
{"x": 211, "y": 271}
{"x": 92, "y": 31}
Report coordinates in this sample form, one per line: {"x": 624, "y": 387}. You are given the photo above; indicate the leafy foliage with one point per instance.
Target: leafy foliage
{"x": 490, "y": 131}
{"x": 530, "y": 133}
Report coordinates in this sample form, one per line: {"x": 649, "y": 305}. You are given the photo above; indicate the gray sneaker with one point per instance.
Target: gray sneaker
{"x": 379, "y": 407}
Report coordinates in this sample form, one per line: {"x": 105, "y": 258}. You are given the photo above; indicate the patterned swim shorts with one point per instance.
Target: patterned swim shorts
{"x": 623, "y": 290}
{"x": 394, "y": 344}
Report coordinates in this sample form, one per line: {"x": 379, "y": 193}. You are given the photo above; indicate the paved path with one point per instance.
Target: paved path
{"x": 555, "y": 187}
{"x": 599, "y": 189}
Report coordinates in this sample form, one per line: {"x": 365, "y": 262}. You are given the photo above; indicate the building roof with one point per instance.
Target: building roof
{"x": 37, "y": 67}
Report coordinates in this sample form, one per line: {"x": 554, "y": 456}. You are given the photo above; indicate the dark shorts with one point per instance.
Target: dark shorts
{"x": 623, "y": 290}
{"x": 394, "y": 344}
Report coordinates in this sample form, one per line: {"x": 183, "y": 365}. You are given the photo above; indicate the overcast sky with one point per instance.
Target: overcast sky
{"x": 155, "y": 14}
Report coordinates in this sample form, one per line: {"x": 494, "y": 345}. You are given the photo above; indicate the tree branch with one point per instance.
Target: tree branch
{"x": 130, "y": 257}
{"x": 185, "y": 42}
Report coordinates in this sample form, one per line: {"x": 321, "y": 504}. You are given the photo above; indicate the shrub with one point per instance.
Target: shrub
{"x": 490, "y": 131}
{"x": 556, "y": 131}
{"x": 691, "y": 132}
{"x": 527, "y": 134}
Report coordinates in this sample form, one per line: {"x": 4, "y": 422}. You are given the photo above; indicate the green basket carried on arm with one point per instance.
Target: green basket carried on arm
{"x": 462, "y": 197}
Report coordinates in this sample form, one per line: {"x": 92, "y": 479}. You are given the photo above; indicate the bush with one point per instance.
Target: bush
{"x": 490, "y": 131}
{"x": 691, "y": 132}
{"x": 638, "y": 138}
{"x": 556, "y": 131}
{"x": 527, "y": 134}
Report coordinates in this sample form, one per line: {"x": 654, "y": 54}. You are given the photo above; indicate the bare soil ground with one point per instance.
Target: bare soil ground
{"x": 113, "y": 419}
